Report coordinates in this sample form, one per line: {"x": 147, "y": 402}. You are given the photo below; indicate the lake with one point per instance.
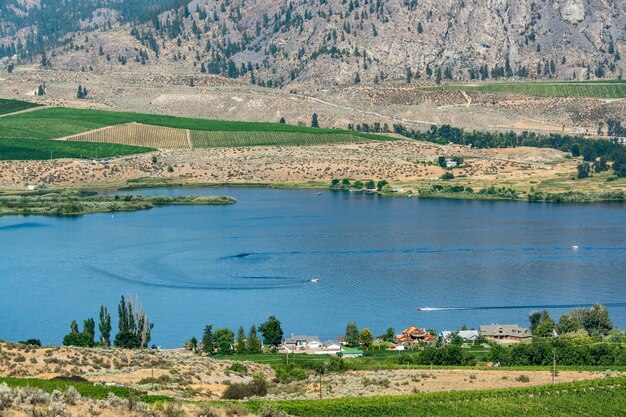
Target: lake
{"x": 377, "y": 260}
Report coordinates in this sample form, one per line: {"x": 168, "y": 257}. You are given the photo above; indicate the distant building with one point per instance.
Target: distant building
{"x": 302, "y": 342}
{"x": 351, "y": 353}
{"x": 414, "y": 335}
{"x": 505, "y": 333}
{"x": 332, "y": 346}
{"x": 466, "y": 335}
{"x": 451, "y": 164}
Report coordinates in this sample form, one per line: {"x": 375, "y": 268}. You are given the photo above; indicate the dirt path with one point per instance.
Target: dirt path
{"x": 24, "y": 111}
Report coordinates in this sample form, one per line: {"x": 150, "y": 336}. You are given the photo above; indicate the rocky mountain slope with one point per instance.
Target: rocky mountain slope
{"x": 320, "y": 43}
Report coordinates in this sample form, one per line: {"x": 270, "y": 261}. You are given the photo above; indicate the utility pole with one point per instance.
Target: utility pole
{"x": 553, "y": 364}
{"x": 321, "y": 384}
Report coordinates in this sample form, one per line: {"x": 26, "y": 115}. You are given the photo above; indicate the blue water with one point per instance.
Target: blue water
{"x": 377, "y": 260}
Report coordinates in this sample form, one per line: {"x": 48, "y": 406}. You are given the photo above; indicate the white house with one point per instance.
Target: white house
{"x": 466, "y": 335}
{"x": 303, "y": 342}
{"x": 332, "y": 346}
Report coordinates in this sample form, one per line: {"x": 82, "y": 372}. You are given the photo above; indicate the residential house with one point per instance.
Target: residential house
{"x": 451, "y": 164}
{"x": 414, "y": 335}
{"x": 302, "y": 342}
{"x": 505, "y": 333}
{"x": 466, "y": 335}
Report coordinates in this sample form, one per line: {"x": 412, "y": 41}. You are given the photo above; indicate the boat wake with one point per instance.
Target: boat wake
{"x": 524, "y": 307}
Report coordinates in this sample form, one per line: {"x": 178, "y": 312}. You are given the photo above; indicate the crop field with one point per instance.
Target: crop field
{"x": 135, "y": 134}
{"x": 591, "y": 398}
{"x": 215, "y": 139}
{"x": 40, "y": 149}
{"x": 52, "y": 123}
{"x": 592, "y": 89}
{"x": 11, "y": 106}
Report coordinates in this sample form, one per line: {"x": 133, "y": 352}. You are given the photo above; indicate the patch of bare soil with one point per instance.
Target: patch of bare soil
{"x": 404, "y": 161}
{"x": 179, "y": 374}
{"x": 399, "y": 382}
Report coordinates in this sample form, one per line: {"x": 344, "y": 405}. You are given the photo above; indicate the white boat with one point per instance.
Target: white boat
{"x": 315, "y": 280}
{"x": 575, "y": 247}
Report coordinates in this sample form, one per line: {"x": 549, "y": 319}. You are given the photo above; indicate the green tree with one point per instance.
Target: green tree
{"x": 282, "y": 121}
{"x": 390, "y": 334}
{"x": 89, "y": 330}
{"x": 351, "y": 336}
{"x": 224, "y": 340}
{"x": 240, "y": 343}
{"x": 441, "y": 161}
{"x": 315, "y": 121}
{"x": 584, "y": 170}
{"x": 357, "y": 78}
{"x": 381, "y": 184}
{"x": 366, "y": 338}
{"x": 370, "y": 185}
{"x": 134, "y": 327}
{"x": 105, "y": 326}
{"x": 597, "y": 320}
{"x": 208, "y": 341}
{"x": 271, "y": 331}
{"x": 253, "y": 344}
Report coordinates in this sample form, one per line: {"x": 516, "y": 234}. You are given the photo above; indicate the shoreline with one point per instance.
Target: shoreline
{"x": 570, "y": 197}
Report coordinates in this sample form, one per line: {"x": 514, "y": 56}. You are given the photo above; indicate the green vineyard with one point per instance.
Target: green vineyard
{"x": 209, "y": 139}
{"x": 606, "y": 90}
{"x": 590, "y": 398}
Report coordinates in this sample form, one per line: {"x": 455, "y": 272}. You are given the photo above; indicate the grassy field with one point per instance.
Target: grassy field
{"x": 54, "y": 123}
{"x": 591, "y": 398}
{"x": 593, "y": 89}
{"x": 39, "y": 149}
{"x": 11, "y": 106}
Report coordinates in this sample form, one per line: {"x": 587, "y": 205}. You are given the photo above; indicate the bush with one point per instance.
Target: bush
{"x": 256, "y": 388}
{"x": 523, "y": 378}
{"x": 288, "y": 373}
{"x": 239, "y": 367}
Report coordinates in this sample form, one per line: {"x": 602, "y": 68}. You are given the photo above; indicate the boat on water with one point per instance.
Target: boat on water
{"x": 575, "y": 247}
{"x": 319, "y": 193}
{"x": 420, "y": 309}
{"x": 315, "y": 280}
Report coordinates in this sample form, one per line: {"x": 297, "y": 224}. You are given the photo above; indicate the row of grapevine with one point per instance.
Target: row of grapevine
{"x": 605, "y": 397}
{"x": 137, "y": 135}
{"x": 221, "y": 139}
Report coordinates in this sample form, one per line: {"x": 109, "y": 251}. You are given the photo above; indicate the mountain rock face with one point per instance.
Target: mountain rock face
{"x": 320, "y": 43}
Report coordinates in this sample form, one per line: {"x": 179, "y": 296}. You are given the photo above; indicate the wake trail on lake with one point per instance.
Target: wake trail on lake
{"x": 524, "y": 307}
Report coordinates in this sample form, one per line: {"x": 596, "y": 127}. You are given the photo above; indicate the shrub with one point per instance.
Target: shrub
{"x": 239, "y": 367}
{"x": 240, "y": 391}
{"x": 523, "y": 378}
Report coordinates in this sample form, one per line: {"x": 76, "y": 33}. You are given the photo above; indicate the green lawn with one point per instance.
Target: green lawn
{"x": 39, "y": 149}
{"x": 593, "y": 89}
{"x": 53, "y": 123}
{"x": 589, "y": 398}
{"x": 11, "y": 106}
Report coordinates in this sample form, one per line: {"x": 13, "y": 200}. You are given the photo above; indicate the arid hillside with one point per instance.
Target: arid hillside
{"x": 318, "y": 45}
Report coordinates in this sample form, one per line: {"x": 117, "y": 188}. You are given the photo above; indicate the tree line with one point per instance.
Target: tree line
{"x": 134, "y": 328}
{"x": 596, "y": 152}
{"x": 222, "y": 340}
